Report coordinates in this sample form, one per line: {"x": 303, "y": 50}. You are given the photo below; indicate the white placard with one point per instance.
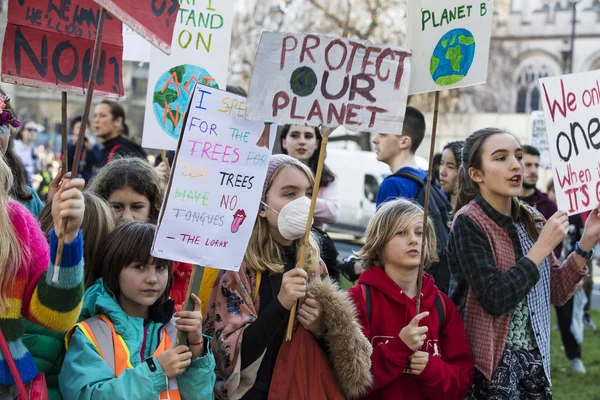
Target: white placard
{"x": 199, "y": 53}
{"x": 450, "y": 41}
{"x": 216, "y": 183}
{"x": 572, "y": 109}
{"x": 330, "y": 81}
{"x": 539, "y": 138}
{"x": 135, "y": 47}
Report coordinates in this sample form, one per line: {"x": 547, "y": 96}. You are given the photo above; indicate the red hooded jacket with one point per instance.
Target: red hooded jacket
{"x": 449, "y": 372}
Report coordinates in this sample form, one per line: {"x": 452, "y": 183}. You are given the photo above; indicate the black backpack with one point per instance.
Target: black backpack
{"x": 439, "y": 212}
{"x": 440, "y": 305}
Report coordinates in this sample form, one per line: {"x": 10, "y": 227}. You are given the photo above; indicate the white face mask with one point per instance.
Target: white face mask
{"x": 293, "y": 218}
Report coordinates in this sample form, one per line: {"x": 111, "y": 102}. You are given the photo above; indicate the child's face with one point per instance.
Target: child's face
{"x": 388, "y": 146}
{"x": 404, "y": 249}
{"x": 129, "y": 205}
{"x": 501, "y": 173}
{"x": 290, "y": 184}
{"x": 448, "y": 172}
{"x": 141, "y": 286}
{"x": 301, "y": 142}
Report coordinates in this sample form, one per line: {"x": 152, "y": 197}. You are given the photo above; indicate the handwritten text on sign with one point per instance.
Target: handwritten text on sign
{"x": 450, "y": 41}
{"x": 153, "y": 19}
{"x": 199, "y": 53}
{"x": 210, "y": 210}
{"x": 49, "y": 44}
{"x": 572, "y": 110}
{"x": 320, "y": 80}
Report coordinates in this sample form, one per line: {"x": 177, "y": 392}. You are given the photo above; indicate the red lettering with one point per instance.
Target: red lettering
{"x": 307, "y": 48}
{"x": 350, "y": 113}
{"x": 315, "y": 110}
{"x": 280, "y": 101}
{"x": 400, "y": 70}
{"x": 355, "y": 47}
{"x": 285, "y": 49}
{"x": 366, "y": 61}
{"x": 333, "y": 113}
{"x": 293, "y": 111}
{"x": 328, "y": 49}
{"x": 379, "y": 62}
{"x": 374, "y": 111}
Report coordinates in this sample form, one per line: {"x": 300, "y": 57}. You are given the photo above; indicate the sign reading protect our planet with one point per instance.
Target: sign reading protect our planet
{"x": 572, "y": 109}
{"x": 199, "y": 53}
{"x": 450, "y": 41}
{"x": 330, "y": 81}
{"x": 216, "y": 182}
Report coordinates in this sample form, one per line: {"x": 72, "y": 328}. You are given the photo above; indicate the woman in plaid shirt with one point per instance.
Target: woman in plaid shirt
{"x": 500, "y": 252}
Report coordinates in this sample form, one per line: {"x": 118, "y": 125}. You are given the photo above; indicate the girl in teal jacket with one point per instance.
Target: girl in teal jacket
{"x": 124, "y": 348}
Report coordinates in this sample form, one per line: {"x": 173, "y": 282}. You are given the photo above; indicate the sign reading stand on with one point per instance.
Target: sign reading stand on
{"x": 216, "y": 182}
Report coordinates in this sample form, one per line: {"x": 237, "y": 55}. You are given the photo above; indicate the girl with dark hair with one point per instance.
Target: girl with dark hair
{"x": 449, "y": 167}
{"x": 110, "y": 126}
{"x": 501, "y": 254}
{"x": 134, "y": 190}
{"x": 24, "y": 146}
{"x": 131, "y": 302}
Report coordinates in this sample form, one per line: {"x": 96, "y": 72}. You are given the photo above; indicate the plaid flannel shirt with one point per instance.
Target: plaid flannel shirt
{"x": 486, "y": 256}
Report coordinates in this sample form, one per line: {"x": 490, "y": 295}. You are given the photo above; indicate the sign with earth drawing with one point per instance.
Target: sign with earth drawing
{"x": 450, "y": 42}
{"x": 330, "y": 81}
{"x": 199, "y": 53}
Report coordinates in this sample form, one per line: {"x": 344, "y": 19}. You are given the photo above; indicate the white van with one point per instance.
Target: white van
{"x": 358, "y": 174}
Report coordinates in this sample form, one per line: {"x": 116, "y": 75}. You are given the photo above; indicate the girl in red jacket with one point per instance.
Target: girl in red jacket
{"x": 424, "y": 356}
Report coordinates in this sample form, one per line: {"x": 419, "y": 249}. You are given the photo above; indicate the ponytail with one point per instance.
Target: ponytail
{"x": 532, "y": 224}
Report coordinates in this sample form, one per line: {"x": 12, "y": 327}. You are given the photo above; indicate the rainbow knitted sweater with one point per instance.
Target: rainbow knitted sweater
{"x": 33, "y": 297}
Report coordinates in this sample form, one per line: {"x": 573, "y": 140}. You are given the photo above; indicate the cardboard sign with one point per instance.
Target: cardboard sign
{"x": 216, "y": 182}
{"x": 450, "y": 41}
{"x": 199, "y": 53}
{"x": 49, "y": 45}
{"x": 135, "y": 47}
{"x": 153, "y": 19}
{"x": 572, "y": 110}
{"x": 331, "y": 81}
{"x": 539, "y": 138}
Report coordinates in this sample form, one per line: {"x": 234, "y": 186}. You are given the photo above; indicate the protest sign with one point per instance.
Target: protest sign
{"x": 216, "y": 182}
{"x": 450, "y": 42}
{"x": 539, "y": 138}
{"x": 572, "y": 110}
{"x": 329, "y": 81}
{"x": 153, "y": 19}
{"x": 50, "y": 45}
{"x": 200, "y": 53}
{"x": 135, "y": 47}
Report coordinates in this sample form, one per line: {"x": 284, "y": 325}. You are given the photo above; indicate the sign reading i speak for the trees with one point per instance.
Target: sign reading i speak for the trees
{"x": 450, "y": 41}
{"x": 572, "y": 110}
{"x": 199, "y": 53}
{"x": 153, "y": 19}
{"x": 216, "y": 182}
{"x": 330, "y": 81}
{"x": 50, "y": 46}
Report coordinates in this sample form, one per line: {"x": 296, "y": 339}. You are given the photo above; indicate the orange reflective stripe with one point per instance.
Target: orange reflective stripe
{"x": 122, "y": 361}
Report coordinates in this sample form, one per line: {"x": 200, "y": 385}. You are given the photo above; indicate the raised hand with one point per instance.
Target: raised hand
{"x": 412, "y": 334}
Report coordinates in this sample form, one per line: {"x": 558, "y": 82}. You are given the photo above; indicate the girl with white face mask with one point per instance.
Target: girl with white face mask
{"x": 248, "y": 310}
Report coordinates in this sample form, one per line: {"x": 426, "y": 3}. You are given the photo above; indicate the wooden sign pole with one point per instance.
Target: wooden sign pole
{"x": 426, "y": 204}
{"x": 193, "y": 287}
{"x": 65, "y": 149}
{"x": 80, "y": 139}
{"x": 313, "y": 202}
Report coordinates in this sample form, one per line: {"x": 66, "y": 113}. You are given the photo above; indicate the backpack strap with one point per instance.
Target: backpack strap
{"x": 112, "y": 152}
{"x": 440, "y": 306}
{"x": 366, "y": 291}
{"x": 409, "y": 175}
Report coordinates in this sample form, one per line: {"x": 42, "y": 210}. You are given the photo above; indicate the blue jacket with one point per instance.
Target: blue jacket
{"x": 85, "y": 374}
{"x": 394, "y": 187}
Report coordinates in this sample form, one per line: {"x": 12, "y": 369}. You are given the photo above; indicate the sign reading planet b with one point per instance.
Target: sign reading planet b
{"x": 452, "y": 57}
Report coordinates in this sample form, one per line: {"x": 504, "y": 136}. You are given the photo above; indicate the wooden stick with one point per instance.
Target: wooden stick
{"x": 313, "y": 202}
{"x": 193, "y": 287}
{"x": 426, "y": 204}
{"x": 163, "y": 154}
{"x": 65, "y": 149}
{"x": 82, "y": 127}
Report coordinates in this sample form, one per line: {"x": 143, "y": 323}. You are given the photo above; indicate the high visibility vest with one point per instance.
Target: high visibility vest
{"x": 112, "y": 348}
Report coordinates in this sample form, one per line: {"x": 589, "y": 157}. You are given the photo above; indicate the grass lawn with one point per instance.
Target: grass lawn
{"x": 566, "y": 384}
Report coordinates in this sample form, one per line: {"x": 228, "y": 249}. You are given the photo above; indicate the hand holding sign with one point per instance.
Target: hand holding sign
{"x": 591, "y": 231}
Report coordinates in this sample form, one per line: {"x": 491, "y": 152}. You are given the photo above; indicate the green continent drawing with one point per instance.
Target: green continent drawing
{"x": 452, "y": 57}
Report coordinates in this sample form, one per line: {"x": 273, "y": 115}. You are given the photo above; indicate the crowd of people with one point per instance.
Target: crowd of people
{"x": 498, "y": 254}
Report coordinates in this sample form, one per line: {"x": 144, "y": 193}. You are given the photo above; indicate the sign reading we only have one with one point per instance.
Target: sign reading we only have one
{"x": 450, "y": 42}
{"x": 572, "y": 110}
{"x": 199, "y": 53}
{"x": 216, "y": 183}
{"x": 329, "y": 81}
{"x": 49, "y": 44}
